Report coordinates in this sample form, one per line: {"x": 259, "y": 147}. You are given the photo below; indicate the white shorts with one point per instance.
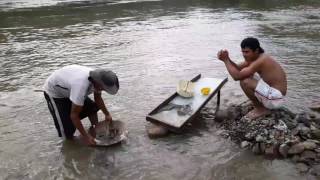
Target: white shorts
{"x": 270, "y": 97}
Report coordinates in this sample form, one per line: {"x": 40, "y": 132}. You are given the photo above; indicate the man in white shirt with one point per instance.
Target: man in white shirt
{"x": 66, "y": 91}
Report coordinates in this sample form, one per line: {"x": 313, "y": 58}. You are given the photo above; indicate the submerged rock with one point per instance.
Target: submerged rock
{"x": 156, "y": 131}
{"x": 221, "y": 115}
{"x": 315, "y": 170}
{"x": 283, "y": 150}
{"x": 256, "y": 148}
{"x": 308, "y": 155}
{"x": 301, "y": 167}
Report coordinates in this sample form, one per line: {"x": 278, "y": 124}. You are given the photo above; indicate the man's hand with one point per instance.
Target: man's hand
{"x": 108, "y": 119}
{"x": 223, "y": 55}
{"x": 89, "y": 140}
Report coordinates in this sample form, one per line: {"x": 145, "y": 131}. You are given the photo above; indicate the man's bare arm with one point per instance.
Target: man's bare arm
{"x": 100, "y": 103}
{"x": 75, "y": 112}
{"x": 244, "y": 73}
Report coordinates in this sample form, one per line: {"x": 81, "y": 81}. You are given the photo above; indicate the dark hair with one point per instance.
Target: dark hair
{"x": 251, "y": 43}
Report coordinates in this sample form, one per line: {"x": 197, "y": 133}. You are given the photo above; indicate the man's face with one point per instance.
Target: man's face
{"x": 97, "y": 86}
{"x": 249, "y": 54}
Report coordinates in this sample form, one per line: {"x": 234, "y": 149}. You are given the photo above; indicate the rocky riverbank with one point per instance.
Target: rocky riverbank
{"x": 282, "y": 134}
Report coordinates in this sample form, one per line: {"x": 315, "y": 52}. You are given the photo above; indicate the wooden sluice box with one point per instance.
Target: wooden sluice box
{"x": 176, "y": 111}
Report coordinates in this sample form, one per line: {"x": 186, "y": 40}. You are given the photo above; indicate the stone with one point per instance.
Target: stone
{"x": 244, "y": 144}
{"x": 312, "y": 127}
{"x": 317, "y": 150}
{"x": 296, "y": 149}
{"x": 291, "y": 124}
{"x": 256, "y": 148}
{"x": 316, "y": 120}
{"x": 157, "y": 131}
{"x": 305, "y": 130}
{"x": 221, "y": 115}
{"x": 271, "y": 151}
{"x": 283, "y": 150}
{"x": 259, "y": 138}
{"x": 315, "y": 170}
{"x": 302, "y": 168}
{"x": 308, "y": 155}
{"x": 303, "y": 118}
{"x": 223, "y": 133}
{"x": 308, "y": 145}
{"x": 315, "y": 107}
{"x": 295, "y": 158}
{"x": 265, "y": 122}
{"x": 312, "y": 116}
{"x": 249, "y": 136}
{"x": 262, "y": 147}
{"x": 315, "y": 134}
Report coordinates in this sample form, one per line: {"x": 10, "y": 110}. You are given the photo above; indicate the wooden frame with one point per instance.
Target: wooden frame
{"x": 152, "y": 119}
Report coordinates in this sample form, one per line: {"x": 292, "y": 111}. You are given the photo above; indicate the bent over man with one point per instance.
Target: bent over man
{"x": 66, "y": 91}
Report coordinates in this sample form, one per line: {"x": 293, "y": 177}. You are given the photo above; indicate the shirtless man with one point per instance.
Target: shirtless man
{"x": 261, "y": 78}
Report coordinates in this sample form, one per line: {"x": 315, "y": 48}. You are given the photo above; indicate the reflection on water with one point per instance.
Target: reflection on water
{"x": 151, "y": 45}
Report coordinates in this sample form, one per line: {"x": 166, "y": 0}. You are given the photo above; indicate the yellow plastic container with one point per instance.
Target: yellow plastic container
{"x": 205, "y": 91}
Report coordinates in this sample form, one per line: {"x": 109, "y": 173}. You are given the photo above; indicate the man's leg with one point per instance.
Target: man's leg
{"x": 248, "y": 86}
{"x": 60, "y": 110}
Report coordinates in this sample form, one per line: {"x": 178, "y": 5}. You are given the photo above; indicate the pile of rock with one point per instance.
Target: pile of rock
{"x": 282, "y": 134}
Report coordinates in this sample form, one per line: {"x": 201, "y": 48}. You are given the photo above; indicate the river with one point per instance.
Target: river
{"x": 151, "y": 45}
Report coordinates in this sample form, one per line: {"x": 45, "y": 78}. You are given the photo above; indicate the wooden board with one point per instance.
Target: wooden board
{"x": 171, "y": 118}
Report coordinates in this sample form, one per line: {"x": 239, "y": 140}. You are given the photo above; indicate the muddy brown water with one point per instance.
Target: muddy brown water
{"x": 151, "y": 45}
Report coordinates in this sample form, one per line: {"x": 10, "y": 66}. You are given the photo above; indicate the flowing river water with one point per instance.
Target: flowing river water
{"x": 151, "y": 45}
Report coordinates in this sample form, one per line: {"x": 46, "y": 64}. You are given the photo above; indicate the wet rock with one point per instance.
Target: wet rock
{"x": 296, "y": 149}
{"x": 249, "y": 136}
{"x": 157, "y": 131}
{"x": 315, "y": 107}
{"x": 303, "y": 118}
{"x": 315, "y": 170}
{"x": 317, "y": 150}
{"x": 291, "y": 124}
{"x": 3, "y": 38}
{"x": 317, "y": 121}
{"x": 244, "y": 144}
{"x": 283, "y": 150}
{"x": 302, "y": 129}
{"x": 308, "y": 155}
{"x": 315, "y": 134}
{"x": 295, "y": 158}
{"x": 302, "y": 168}
{"x": 221, "y": 115}
{"x": 260, "y": 138}
{"x": 262, "y": 147}
{"x": 308, "y": 145}
{"x": 312, "y": 116}
{"x": 223, "y": 133}
{"x": 312, "y": 127}
{"x": 271, "y": 150}
{"x": 256, "y": 148}
{"x": 295, "y": 131}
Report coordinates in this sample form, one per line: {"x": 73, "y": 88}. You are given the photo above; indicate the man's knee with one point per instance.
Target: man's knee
{"x": 248, "y": 83}
{"x": 245, "y": 82}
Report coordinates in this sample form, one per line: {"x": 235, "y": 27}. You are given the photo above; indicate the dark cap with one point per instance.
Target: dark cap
{"x": 107, "y": 79}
